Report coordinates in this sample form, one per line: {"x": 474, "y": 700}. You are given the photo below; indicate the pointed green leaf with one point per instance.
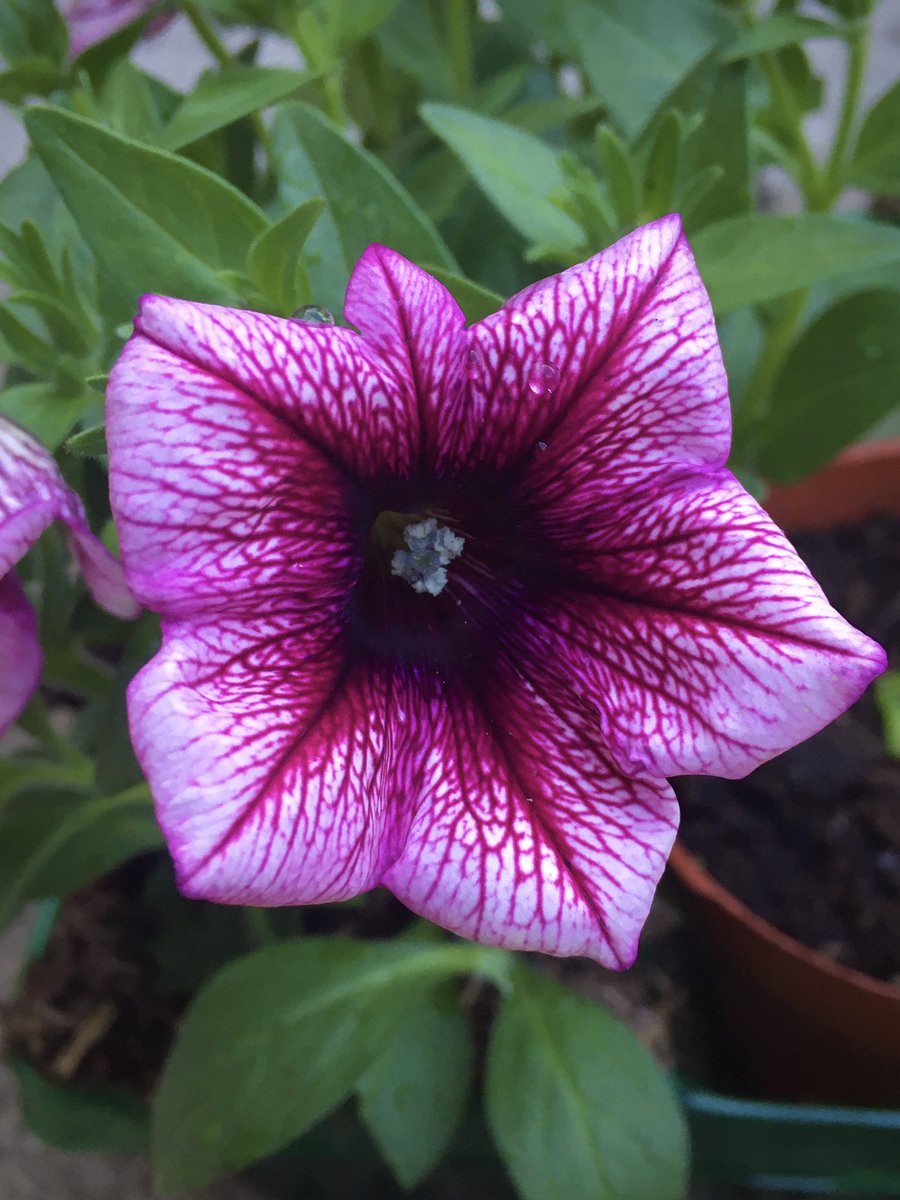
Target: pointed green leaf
{"x": 154, "y": 221}
{"x": 55, "y": 841}
{"x": 276, "y": 1041}
{"x": 365, "y": 203}
{"x": 517, "y": 172}
{"x": 90, "y": 443}
{"x": 634, "y": 54}
{"x": 577, "y": 1105}
{"x": 661, "y": 170}
{"x": 226, "y": 95}
{"x": 412, "y": 1099}
{"x": 275, "y": 254}
{"x": 477, "y": 302}
{"x": 82, "y": 1120}
{"x": 755, "y": 258}
{"x": 619, "y": 173}
{"x": 840, "y": 378}
{"x": 876, "y": 160}
{"x": 778, "y": 30}
{"x": 722, "y": 144}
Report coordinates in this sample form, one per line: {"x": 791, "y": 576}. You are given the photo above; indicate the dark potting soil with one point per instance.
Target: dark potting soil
{"x": 811, "y": 840}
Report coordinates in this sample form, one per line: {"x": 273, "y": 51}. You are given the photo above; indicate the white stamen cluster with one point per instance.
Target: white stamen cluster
{"x": 431, "y": 548}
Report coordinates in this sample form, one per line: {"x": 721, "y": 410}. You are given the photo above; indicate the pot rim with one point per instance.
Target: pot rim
{"x": 691, "y": 873}
{"x": 687, "y": 867}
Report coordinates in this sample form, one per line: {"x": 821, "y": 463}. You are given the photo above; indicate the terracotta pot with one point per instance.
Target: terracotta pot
{"x": 805, "y": 1027}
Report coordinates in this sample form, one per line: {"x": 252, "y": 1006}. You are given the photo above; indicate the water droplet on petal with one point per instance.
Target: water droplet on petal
{"x": 541, "y": 447}
{"x": 474, "y": 360}
{"x": 543, "y": 379}
{"x": 312, "y": 314}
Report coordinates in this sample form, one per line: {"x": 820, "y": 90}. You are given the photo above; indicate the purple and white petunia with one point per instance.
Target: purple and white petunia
{"x": 92, "y": 21}
{"x": 442, "y": 607}
{"x": 32, "y": 494}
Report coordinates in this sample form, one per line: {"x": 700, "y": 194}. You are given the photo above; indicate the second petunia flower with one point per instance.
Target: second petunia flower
{"x": 442, "y": 607}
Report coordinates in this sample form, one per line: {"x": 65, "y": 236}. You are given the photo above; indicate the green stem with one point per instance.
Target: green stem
{"x": 315, "y": 40}
{"x": 780, "y": 338}
{"x": 809, "y": 172}
{"x": 858, "y": 48}
{"x": 206, "y": 32}
{"x": 459, "y": 36}
{"x": 259, "y": 927}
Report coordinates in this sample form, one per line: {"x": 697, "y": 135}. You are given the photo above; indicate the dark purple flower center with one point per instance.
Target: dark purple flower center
{"x": 455, "y": 626}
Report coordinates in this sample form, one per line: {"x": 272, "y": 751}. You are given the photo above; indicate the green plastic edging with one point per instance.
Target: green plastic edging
{"x": 802, "y": 1148}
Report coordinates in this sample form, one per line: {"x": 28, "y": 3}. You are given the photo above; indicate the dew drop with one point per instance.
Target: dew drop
{"x": 540, "y": 447}
{"x": 474, "y": 360}
{"x": 543, "y": 379}
{"x": 312, "y": 314}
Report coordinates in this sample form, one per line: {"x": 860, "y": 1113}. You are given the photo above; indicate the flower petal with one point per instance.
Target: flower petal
{"x": 20, "y": 655}
{"x": 268, "y": 758}
{"x": 218, "y": 502}
{"x": 421, "y": 332}
{"x": 698, "y": 633}
{"x": 92, "y": 21}
{"x": 524, "y": 833}
{"x": 613, "y": 363}
{"x": 32, "y": 494}
{"x": 324, "y": 384}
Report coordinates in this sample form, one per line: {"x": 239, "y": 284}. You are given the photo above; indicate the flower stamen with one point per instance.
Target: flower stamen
{"x": 432, "y": 548}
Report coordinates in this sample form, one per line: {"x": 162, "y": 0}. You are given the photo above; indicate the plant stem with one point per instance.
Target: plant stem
{"x": 207, "y": 33}
{"x": 205, "y": 30}
{"x": 459, "y": 36}
{"x": 809, "y": 172}
{"x": 780, "y": 338}
{"x": 259, "y": 927}
{"x": 857, "y": 53}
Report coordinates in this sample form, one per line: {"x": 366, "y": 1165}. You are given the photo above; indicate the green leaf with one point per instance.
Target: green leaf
{"x": 154, "y": 221}
{"x": 776, "y": 31}
{"x": 722, "y": 144}
{"x": 55, "y": 841}
{"x": 577, "y": 1105}
{"x": 35, "y": 76}
{"x": 887, "y": 697}
{"x": 840, "y": 378}
{"x": 876, "y": 160}
{"x": 620, "y": 175}
{"x": 477, "y": 302}
{"x": 44, "y": 409}
{"x": 129, "y": 101}
{"x": 412, "y": 1100}
{"x": 634, "y": 54}
{"x": 360, "y": 19}
{"x": 275, "y": 254}
{"x": 27, "y": 774}
{"x": 81, "y": 1120}
{"x": 413, "y": 43}
{"x": 30, "y": 28}
{"x": 517, "y": 172}
{"x": 90, "y": 443}
{"x": 365, "y": 203}
{"x": 661, "y": 170}
{"x": 224, "y": 96}
{"x": 276, "y": 1041}
{"x": 755, "y": 258}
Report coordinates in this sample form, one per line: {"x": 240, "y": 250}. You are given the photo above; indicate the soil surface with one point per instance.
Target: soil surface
{"x": 811, "y": 841}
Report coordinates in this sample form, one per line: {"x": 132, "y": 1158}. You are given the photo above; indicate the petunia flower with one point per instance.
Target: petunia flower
{"x": 442, "y": 607}
{"x": 32, "y": 494}
{"x": 92, "y": 21}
